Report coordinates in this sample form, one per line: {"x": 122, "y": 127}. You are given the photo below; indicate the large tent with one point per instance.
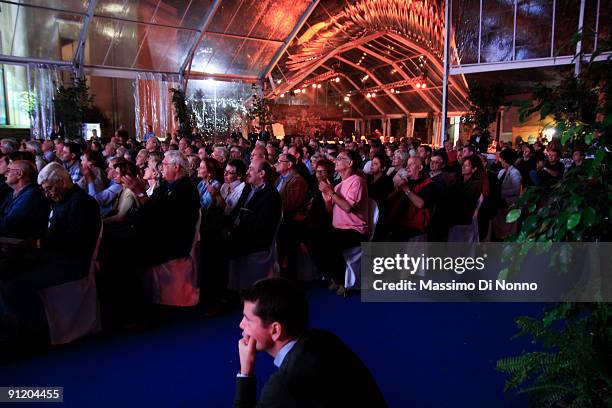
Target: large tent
{"x": 375, "y": 55}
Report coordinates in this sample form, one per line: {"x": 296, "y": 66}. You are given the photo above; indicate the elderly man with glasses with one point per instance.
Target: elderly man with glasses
{"x": 349, "y": 206}
{"x": 25, "y": 211}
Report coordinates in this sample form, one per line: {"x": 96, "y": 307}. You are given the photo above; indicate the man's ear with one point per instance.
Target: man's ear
{"x": 276, "y": 331}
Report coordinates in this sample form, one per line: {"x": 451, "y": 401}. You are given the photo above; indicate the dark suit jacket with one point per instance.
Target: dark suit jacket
{"x": 25, "y": 216}
{"x": 257, "y": 222}
{"x": 171, "y": 214}
{"x": 293, "y": 194}
{"x": 319, "y": 371}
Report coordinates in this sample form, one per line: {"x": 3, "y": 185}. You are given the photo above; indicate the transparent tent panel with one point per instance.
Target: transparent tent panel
{"x": 465, "y": 20}
{"x": 179, "y": 13}
{"x": 132, "y": 45}
{"x": 271, "y": 19}
{"x": 533, "y": 28}
{"x": 79, "y": 6}
{"x": 497, "y": 30}
{"x": 38, "y": 33}
{"x": 212, "y": 89}
{"x": 225, "y": 55}
{"x": 591, "y": 25}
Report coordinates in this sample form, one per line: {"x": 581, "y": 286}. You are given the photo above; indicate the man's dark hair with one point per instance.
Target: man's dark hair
{"x": 22, "y": 155}
{"x": 127, "y": 168}
{"x": 440, "y": 154}
{"x": 75, "y": 149}
{"x": 290, "y": 158}
{"x": 240, "y": 167}
{"x": 267, "y": 168}
{"x": 508, "y": 155}
{"x": 355, "y": 158}
{"x": 384, "y": 160}
{"x": 279, "y": 300}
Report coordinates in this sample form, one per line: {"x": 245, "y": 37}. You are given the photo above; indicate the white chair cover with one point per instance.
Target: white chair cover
{"x": 352, "y": 256}
{"x": 72, "y": 308}
{"x": 248, "y": 269}
{"x": 176, "y": 282}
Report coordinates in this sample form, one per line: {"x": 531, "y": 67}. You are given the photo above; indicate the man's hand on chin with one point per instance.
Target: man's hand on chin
{"x": 247, "y": 352}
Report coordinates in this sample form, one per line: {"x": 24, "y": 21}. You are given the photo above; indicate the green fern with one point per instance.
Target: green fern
{"x": 575, "y": 370}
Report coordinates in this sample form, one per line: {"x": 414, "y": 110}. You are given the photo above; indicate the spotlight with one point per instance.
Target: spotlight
{"x": 392, "y": 90}
{"x": 423, "y": 85}
{"x": 296, "y": 91}
{"x": 368, "y": 95}
{"x": 346, "y": 99}
{"x": 373, "y": 94}
{"x": 314, "y": 85}
{"x": 418, "y": 85}
{"x": 318, "y": 85}
{"x": 282, "y": 95}
{"x": 337, "y": 79}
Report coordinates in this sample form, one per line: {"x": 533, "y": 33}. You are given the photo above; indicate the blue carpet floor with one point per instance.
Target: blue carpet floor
{"x": 421, "y": 354}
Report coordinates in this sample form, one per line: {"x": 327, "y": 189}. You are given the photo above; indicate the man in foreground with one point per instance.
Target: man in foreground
{"x": 315, "y": 368}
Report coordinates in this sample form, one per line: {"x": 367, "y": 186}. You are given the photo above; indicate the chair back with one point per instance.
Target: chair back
{"x": 177, "y": 281}
{"x": 248, "y": 269}
{"x": 72, "y": 308}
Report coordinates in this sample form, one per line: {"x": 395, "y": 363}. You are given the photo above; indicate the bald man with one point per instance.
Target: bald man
{"x": 25, "y": 211}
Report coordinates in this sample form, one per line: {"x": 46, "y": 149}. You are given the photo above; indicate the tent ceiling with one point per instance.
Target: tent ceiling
{"x": 291, "y": 40}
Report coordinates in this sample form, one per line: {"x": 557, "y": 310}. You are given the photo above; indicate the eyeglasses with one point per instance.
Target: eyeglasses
{"x": 341, "y": 158}
{"x": 231, "y": 173}
{"x": 8, "y": 169}
{"x": 283, "y": 161}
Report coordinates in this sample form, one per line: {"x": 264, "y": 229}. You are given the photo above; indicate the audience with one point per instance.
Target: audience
{"x": 150, "y": 201}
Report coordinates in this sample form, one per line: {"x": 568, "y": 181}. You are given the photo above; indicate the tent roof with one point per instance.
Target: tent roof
{"x": 289, "y": 43}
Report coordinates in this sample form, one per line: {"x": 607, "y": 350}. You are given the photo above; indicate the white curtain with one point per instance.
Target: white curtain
{"x": 410, "y": 126}
{"x": 153, "y": 103}
{"x": 437, "y": 128}
{"x": 43, "y": 80}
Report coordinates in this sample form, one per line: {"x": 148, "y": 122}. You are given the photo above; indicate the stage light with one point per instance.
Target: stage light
{"x": 392, "y": 90}
{"x": 423, "y": 85}
{"x": 373, "y": 94}
{"x": 346, "y": 99}
{"x": 418, "y": 85}
{"x": 318, "y": 85}
{"x": 282, "y": 95}
{"x": 368, "y": 95}
{"x": 314, "y": 85}
{"x": 337, "y": 79}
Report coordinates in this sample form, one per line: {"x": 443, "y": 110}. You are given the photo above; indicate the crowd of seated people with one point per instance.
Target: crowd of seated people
{"x": 301, "y": 196}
